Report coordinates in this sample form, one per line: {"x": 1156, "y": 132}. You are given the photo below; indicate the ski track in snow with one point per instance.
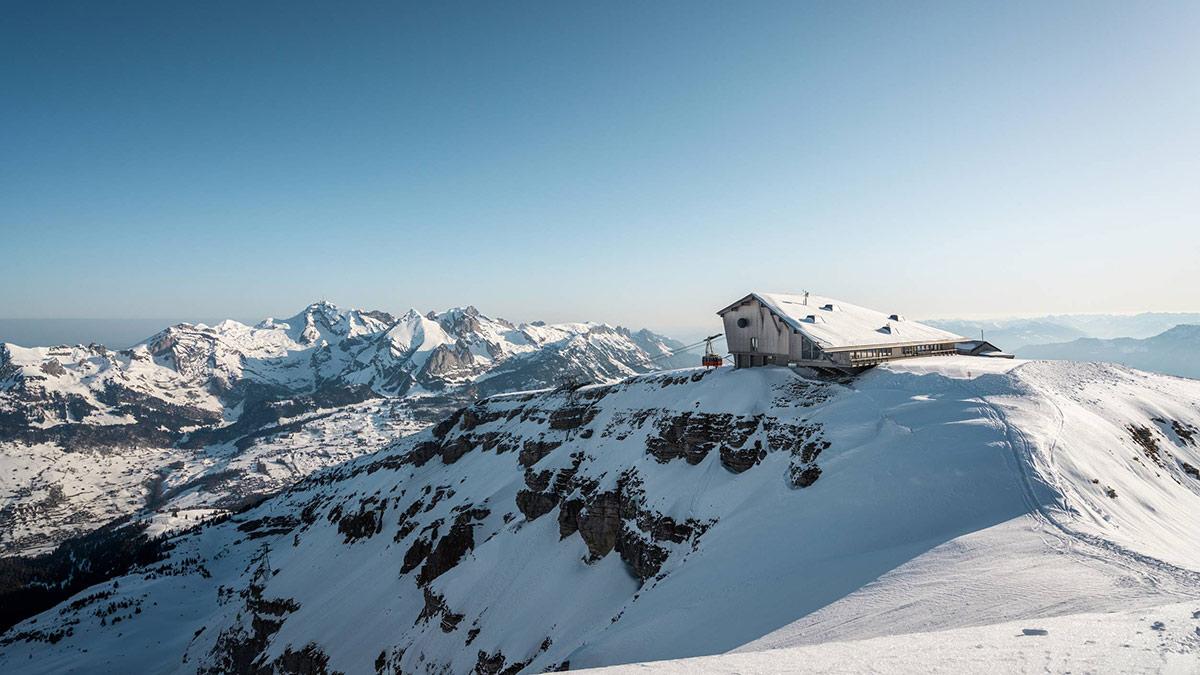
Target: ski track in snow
{"x": 1069, "y": 539}
{"x": 886, "y": 605}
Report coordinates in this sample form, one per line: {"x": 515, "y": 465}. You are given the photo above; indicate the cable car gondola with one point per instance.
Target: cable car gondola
{"x": 711, "y": 359}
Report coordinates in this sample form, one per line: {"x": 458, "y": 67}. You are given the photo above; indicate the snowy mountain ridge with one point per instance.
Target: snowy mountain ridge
{"x": 192, "y": 417}
{"x": 209, "y": 374}
{"x": 682, "y": 514}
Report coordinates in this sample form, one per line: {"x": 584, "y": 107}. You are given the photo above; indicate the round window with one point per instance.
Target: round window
{"x": 743, "y": 322}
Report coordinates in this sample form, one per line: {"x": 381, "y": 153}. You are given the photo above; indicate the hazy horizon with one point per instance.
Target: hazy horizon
{"x": 120, "y": 333}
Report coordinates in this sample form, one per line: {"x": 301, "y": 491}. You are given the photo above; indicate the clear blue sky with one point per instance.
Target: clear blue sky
{"x": 633, "y": 162}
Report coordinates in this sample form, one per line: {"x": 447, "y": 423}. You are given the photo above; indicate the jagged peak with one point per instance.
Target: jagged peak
{"x": 314, "y": 309}
{"x": 594, "y": 326}
{"x": 468, "y": 310}
{"x": 155, "y": 341}
{"x": 227, "y": 325}
{"x": 322, "y": 306}
{"x": 457, "y": 314}
{"x": 323, "y": 315}
{"x": 461, "y": 320}
{"x": 321, "y": 310}
{"x": 324, "y": 310}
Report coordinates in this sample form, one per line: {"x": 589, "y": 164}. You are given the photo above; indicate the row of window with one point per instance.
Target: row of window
{"x": 810, "y": 352}
{"x": 863, "y": 354}
{"x": 921, "y": 350}
{"x": 911, "y": 350}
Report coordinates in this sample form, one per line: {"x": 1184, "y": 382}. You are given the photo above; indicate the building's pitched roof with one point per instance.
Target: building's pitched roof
{"x": 846, "y": 325}
{"x": 981, "y": 347}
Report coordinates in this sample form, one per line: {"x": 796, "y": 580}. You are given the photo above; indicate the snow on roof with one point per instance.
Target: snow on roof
{"x": 834, "y": 324}
{"x": 972, "y": 344}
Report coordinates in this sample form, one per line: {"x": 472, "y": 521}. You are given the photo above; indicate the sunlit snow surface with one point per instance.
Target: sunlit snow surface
{"x": 1160, "y": 639}
{"x": 960, "y": 501}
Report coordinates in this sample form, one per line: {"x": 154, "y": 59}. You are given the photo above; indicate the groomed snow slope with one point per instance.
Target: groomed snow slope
{"x": 679, "y": 515}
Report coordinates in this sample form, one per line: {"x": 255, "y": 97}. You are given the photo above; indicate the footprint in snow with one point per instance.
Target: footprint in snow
{"x": 1034, "y": 631}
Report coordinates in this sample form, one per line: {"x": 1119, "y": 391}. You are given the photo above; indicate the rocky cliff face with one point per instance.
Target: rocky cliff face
{"x": 662, "y": 516}
{"x": 586, "y": 466}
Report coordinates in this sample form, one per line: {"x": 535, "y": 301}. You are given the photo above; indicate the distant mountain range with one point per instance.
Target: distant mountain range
{"x": 1175, "y": 351}
{"x": 1013, "y": 334}
{"x": 188, "y": 419}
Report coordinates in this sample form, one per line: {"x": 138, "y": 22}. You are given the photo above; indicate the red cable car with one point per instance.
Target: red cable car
{"x": 710, "y": 358}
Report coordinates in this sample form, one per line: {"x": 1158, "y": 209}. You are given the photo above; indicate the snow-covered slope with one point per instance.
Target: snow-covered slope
{"x": 1163, "y": 639}
{"x": 185, "y": 419}
{"x": 682, "y": 514}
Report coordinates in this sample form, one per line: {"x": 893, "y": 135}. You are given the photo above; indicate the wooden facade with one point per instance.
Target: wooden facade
{"x": 756, "y": 336}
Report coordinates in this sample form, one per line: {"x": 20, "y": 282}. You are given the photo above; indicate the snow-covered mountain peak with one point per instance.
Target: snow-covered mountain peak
{"x": 325, "y": 321}
{"x": 461, "y": 320}
{"x": 414, "y": 333}
{"x": 230, "y": 325}
{"x": 465, "y": 310}
{"x": 325, "y": 345}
